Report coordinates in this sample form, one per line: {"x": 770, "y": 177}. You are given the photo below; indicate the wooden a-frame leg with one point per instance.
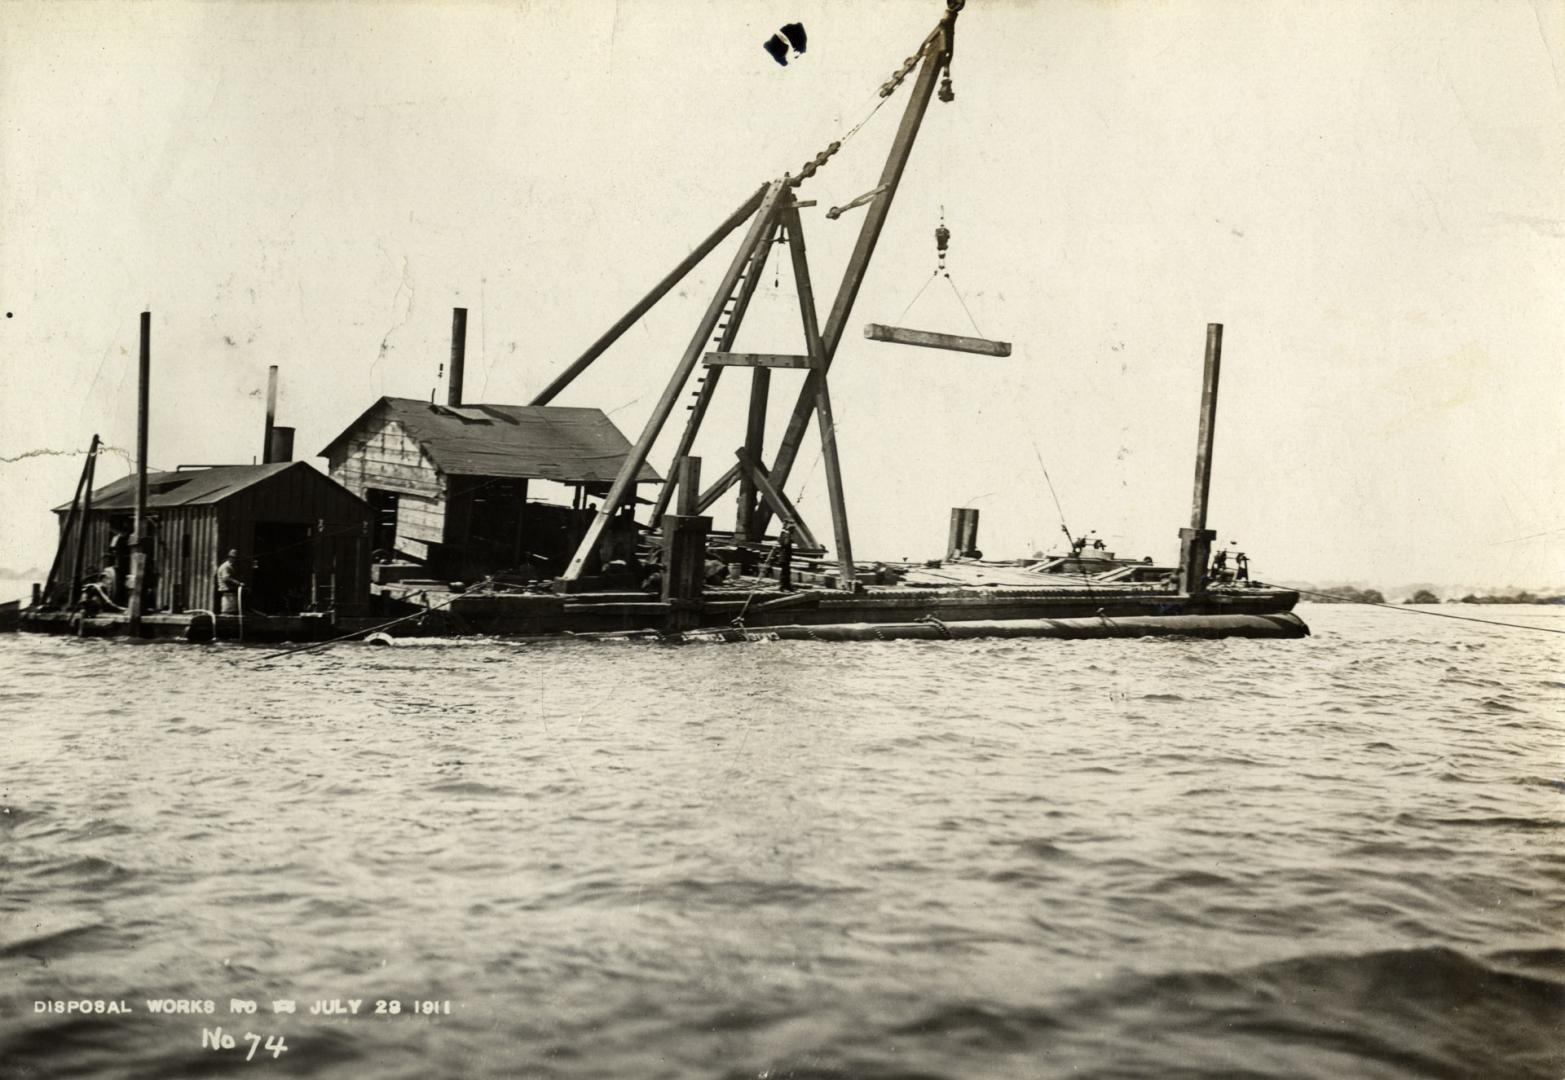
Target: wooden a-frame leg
{"x": 625, "y": 481}
{"x": 828, "y": 430}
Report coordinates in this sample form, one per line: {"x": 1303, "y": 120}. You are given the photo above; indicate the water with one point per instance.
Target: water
{"x": 1323, "y": 858}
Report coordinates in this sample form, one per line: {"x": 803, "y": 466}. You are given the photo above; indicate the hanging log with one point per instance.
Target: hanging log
{"x": 931, "y": 340}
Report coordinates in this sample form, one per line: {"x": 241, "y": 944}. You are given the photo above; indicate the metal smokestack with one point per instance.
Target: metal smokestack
{"x": 281, "y": 448}
{"x": 271, "y": 414}
{"x": 458, "y": 356}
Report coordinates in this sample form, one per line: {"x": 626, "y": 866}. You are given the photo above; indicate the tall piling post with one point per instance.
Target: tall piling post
{"x": 138, "y": 551}
{"x": 271, "y": 415}
{"x": 1195, "y": 543}
{"x": 684, "y": 549}
{"x": 458, "y": 357}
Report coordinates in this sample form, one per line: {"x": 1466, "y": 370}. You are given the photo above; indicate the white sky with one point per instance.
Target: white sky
{"x": 1370, "y": 196}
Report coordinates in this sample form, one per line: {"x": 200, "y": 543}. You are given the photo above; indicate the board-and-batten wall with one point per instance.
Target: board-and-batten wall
{"x": 190, "y": 541}
{"x": 187, "y": 549}
{"x": 386, "y": 457}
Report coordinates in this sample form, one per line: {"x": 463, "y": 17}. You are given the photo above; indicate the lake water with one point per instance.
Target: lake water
{"x": 1336, "y": 857}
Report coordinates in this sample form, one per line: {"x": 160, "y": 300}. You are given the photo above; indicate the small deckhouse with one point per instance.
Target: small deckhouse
{"x": 303, "y": 539}
{"x": 448, "y": 485}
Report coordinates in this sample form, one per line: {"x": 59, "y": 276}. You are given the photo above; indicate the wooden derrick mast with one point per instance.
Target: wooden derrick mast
{"x": 772, "y": 211}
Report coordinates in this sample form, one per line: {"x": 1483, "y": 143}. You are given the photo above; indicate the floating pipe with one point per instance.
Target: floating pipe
{"x": 1285, "y": 625}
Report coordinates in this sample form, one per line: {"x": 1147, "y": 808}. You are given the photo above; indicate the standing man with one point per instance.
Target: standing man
{"x": 785, "y": 558}
{"x": 228, "y": 584}
{"x": 119, "y": 552}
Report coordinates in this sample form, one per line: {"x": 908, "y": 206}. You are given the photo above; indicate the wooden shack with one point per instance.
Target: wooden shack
{"x": 448, "y": 484}
{"x": 303, "y": 539}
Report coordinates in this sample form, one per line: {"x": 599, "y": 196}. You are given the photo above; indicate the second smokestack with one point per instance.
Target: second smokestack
{"x": 458, "y": 356}
{"x": 271, "y": 414}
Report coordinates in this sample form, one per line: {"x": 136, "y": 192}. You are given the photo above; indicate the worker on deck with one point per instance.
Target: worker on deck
{"x": 619, "y": 541}
{"x": 101, "y": 593}
{"x": 119, "y": 555}
{"x": 228, "y": 584}
{"x": 716, "y": 571}
{"x": 785, "y": 558}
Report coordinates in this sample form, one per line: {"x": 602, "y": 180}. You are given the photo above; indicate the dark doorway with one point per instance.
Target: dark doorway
{"x": 284, "y": 556}
{"x": 494, "y": 524}
{"x": 383, "y": 520}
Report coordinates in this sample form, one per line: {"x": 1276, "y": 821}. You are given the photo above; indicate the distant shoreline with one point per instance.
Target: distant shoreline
{"x": 1344, "y": 594}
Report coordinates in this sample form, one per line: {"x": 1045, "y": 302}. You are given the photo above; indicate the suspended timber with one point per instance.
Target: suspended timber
{"x": 930, "y": 340}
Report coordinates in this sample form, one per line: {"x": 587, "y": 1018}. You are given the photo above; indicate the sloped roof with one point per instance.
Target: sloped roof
{"x": 193, "y": 487}
{"x": 543, "y": 442}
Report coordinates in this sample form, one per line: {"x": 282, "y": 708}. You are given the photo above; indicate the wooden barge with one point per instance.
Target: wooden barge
{"x": 425, "y": 474}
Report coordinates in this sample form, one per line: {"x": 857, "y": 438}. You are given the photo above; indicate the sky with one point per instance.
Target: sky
{"x": 1369, "y": 196}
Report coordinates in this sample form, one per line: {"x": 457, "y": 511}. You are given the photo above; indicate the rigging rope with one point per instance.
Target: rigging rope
{"x": 959, "y": 300}
{"x": 1412, "y": 611}
{"x": 375, "y": 629}
{"x": 927, "y": 282}
{"x": 1064, "y": 528}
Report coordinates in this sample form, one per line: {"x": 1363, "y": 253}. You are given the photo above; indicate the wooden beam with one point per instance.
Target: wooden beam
{"x": 756, "y": 360}
{"x": 760, "y": 229}
{"x": 839, "y": 506}
{"x": 931, "y": 340}
{"x": 812, "y": 336}
{"x": 83, "y": 523}
{"x": 68, "y": 530}
{"x": 715, "y": 492}
{"x": 642, "y": 306}
{"x": 775, "y": 498}
{"x": 754, "y": 435}
{"x": 688, "y": 469}
{"x": 708, "y": 388}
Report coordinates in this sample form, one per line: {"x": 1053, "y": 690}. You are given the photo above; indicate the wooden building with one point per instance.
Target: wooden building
{"x": 303, "y": 539}
{"x": 448, "y": 484}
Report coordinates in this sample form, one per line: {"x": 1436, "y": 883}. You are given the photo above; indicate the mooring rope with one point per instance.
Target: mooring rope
{"x": 375, "y": 629}
{"x": 1412, "y": 610}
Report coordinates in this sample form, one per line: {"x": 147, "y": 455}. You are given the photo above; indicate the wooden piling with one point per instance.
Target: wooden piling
{"x": 687, "y": 472}
{"x": 1195, "y": 543}
{"x": 684, "y": 549}
{"x": 138, "y": 554}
